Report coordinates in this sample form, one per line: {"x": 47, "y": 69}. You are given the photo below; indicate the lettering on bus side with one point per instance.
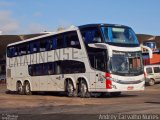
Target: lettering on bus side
{"x": 44, "y": 57}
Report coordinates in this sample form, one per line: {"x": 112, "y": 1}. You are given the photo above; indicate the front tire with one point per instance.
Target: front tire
{"x": 27, "y": 89}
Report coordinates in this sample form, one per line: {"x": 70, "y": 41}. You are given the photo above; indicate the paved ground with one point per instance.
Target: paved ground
{"x": 144, "y": 102}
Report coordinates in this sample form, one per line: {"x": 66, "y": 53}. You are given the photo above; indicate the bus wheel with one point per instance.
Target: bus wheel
{"x": 83, "y": 90}
{"x": 20, "y": 89}
{"x": 70, "y": 89}
{"x": 27, "y": 89}
{"x": 115, "y": 94}
{"x": 151, "y": 82}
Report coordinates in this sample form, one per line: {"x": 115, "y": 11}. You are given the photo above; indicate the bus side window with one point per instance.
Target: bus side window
{"x": 10, "y": 51}
{"x": 34, "y": 47}
{"x": 98, "y": 61}
{"x": 58, "y": 67}
{"x": 60, "y": 41}
{"x": 48, "y": 44}
{"x": 53, "y": 43}
{"x": 30, "y": 70}
{"x": 71, "y": 40}
{"x": 51, "y": 68}
{"x": 38, "y": 69}
{"x": 45, "y": 69}
{"x": 91, "y": 35}
{"x": 23, "y": 49}
{"x": 43, "y": 44}
{"x": 15, "y": 51}
{"x": 70, "y": 67}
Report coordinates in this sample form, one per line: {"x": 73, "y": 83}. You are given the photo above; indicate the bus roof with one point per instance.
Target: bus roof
{"x": 43, "y": 36}
{"x": 102, "y": 24}
{"x": 66, "y": 30}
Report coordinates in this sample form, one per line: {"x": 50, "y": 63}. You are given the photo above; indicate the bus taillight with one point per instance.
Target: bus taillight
{"x": 108, "y": 81}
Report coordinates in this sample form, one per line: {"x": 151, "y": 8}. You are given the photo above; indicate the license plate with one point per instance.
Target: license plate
{"x": 130, "y": 88}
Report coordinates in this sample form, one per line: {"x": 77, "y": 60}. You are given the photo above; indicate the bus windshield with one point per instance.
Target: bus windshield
{"x": 122, "y": 63}
{"x": 122, "y": 35}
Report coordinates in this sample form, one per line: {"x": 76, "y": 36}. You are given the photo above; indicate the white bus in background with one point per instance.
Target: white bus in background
{"x": 103, "y": 58}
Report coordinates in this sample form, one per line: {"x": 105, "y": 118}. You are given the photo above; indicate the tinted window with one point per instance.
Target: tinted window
{"x": 43, "y": 45}
{"x": 46, "y": 44}
{"x": 91, "y": 35}
{"x": 98, "y": 60}
{"x": 119, "y": 35}
{"x": 156, "y": 70}
{"x": 34, "y": 46}
{"x": 59, "y": 67}
{"x": 71, "y": 40}
{"x": 11, "y": 51}
{"x": 54, "y": 43}
{"x": 69, "y": 67}
{"x": 51, "y": 68}
{"x": 23, "y": 49}
{"x": 60, "y": 41}
{"x": 149, "y": 70}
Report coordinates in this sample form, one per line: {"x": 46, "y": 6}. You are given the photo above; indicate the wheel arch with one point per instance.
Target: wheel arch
{"x": 72, "y": 80}
{"x": 18, "y": 81}
{"x": 85, "y": 79}
{"x": 27, "y": 80}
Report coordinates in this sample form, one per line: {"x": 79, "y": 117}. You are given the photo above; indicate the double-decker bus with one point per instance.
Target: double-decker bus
{"x": 93, "y": 58}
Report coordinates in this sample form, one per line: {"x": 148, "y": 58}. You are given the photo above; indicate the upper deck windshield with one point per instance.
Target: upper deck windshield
{"x": 119, "y": 35}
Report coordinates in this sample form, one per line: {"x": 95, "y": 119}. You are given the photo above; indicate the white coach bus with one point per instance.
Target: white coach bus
{"x": 103, "y": 58}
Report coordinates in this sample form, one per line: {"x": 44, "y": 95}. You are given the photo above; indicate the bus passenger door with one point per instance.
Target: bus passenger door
{"x": 100, "y": 66}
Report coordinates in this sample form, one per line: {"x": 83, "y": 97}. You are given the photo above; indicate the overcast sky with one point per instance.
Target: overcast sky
{"x": 32, "y": 16}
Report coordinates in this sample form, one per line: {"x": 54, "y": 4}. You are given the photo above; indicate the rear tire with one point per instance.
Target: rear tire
{"x": 83, "y": 90}
{"x": 71, "y": 92}
{"x": 151, "y": 82}
{"x": 20, "y": 89}
{"x": 27, "y": 89}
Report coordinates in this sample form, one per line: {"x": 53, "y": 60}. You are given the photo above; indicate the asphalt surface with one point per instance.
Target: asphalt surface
{"x": 58, "y": 106}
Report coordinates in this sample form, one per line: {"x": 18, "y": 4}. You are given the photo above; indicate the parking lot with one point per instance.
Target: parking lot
{"x": 144, "y": 102}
